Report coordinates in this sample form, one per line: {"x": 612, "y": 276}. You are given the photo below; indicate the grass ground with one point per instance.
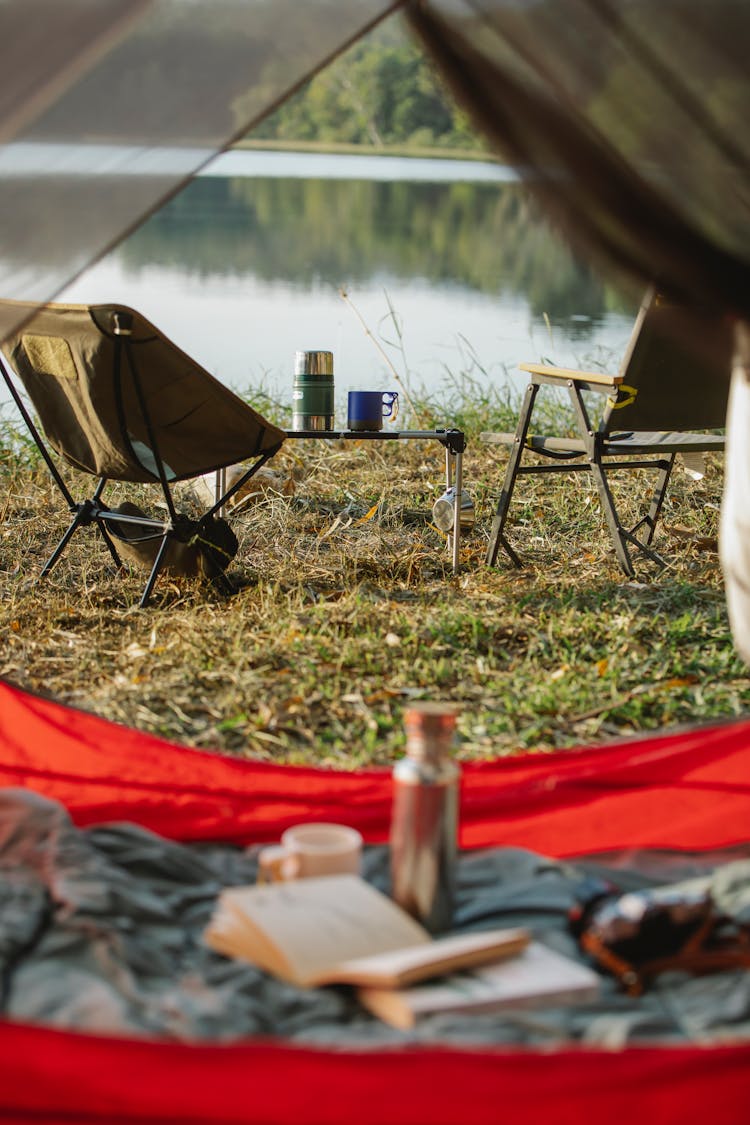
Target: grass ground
{"x": 349, "y": 609}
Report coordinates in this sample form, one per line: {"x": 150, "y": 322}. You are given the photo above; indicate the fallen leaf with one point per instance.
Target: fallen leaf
{"x": 702, "y": 542}
{"x": 368, "y": 516}
{"x": 679, "y": 681}
{"x": 383, "y": 694}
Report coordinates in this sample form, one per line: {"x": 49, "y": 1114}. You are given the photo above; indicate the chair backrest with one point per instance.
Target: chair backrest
{"x": 110, "y": 391}
{"x": 678, "y": 364}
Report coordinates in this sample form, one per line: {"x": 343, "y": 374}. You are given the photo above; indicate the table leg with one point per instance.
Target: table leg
{"x": 220, "y": 487}
{"x": 454, "y": 479}
{"x": 459, "y": 483}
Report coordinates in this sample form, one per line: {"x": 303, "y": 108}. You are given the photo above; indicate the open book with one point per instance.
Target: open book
{"x": 537, "y": 976}
{"x": 341, "y": 930}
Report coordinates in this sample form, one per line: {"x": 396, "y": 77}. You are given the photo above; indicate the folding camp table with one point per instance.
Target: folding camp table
{"x": 453, "y": 441}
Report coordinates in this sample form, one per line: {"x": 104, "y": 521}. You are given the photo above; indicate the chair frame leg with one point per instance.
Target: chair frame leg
{"x": 79, "y": 520}
{"x": 616, "y": 529}
{"x": 94, "y": 511}
{"x": 660, "y": 491}
{"x": 497, "y": 532}
{"x": 219, "y": 577}
{"x": 84, "y": 514}
{"x": 151, "y": 582}
{"x": 594, "y": 462}
{"x": 599, "y": 473}
{"x": 621, "y": 535}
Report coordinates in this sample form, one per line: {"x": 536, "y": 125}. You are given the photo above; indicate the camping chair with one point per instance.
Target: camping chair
{"x": 118, "y": 400}
{"x": 674, "y": 378}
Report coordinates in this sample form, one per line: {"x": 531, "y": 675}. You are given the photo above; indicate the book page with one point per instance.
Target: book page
{"x": 539, "y": 975}
{"x": 316, "y": 923}
{"x": 401, "y": 967}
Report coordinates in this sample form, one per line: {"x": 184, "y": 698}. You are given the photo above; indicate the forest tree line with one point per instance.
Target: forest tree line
{"x": 382, "y": 92}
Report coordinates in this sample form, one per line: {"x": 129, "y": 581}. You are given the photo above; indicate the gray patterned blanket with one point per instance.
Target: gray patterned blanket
{"x": 101, "y": 929}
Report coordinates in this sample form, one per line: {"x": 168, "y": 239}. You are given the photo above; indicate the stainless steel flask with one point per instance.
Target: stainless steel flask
{"x": 312, "y": 394}
{"x": 424, "y": 822}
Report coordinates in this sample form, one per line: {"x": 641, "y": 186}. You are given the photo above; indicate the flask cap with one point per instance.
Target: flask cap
{"x": 429, "y": 728}
{"x": 313, "y": 363}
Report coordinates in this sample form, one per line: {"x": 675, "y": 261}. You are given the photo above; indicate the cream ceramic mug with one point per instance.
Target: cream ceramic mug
{"x": 307, "y": 850}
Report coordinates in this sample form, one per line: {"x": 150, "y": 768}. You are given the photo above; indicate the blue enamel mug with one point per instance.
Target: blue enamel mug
{"x": 367, "y": 409}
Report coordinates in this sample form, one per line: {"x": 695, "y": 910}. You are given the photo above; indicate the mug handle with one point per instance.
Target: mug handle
{"x": 390, "y": 405}
{"x": 276, "y": 864}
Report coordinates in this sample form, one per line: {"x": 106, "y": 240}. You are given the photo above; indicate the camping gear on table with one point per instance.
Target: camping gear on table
{"x": 365, "y": 410}
{"x": 119, "y": 401}
{"x": 424, "y": 819}
{"x": 313, "y": 391}
{"x": 453, "y": 442}
{"x": 673, "y": 379}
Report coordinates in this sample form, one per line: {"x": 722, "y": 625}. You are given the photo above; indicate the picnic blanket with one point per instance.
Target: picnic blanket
{"x": 101, "y": 930}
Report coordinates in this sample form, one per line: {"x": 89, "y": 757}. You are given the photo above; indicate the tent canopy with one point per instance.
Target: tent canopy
{"x": 627, "y": 118}
{"x": 110, "y": 106}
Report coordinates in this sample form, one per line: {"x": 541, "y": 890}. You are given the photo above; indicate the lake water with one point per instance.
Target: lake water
{"x": 447, "y": 271}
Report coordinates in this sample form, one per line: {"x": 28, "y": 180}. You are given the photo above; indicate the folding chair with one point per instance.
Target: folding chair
{"x": 118, "y": 400}
{"x": 673, "y": 379}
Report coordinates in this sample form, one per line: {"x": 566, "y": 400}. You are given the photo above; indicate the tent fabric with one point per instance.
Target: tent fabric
{"x": 108, "y": 107}
{"x": 689, "y": 790}
{"x": 626, "y": 118}
{"x": 686, "y": 790}
{"x": 734, "y": 535}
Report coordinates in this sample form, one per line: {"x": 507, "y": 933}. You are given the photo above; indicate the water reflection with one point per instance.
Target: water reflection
{"x": 448, "y": 276}
{"x": 481, "y": 237}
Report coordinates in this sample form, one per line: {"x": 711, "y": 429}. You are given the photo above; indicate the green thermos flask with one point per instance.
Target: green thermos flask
{"x": 312, "y": 395}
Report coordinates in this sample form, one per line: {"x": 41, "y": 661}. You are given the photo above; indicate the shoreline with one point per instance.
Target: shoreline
{"x": 340, "y": 149}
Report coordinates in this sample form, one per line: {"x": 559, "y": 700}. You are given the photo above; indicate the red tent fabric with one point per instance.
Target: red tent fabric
{"x": 687, "y": 790}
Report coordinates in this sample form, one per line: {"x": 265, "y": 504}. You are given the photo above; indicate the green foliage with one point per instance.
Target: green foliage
{"x": 382, "y": 91}
{"x": 18, "y": 451}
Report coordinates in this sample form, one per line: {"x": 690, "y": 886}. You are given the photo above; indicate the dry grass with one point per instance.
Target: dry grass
{"x": 349, "y": 609}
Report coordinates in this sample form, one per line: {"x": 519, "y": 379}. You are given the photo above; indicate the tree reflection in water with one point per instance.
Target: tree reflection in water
{"x": 243, "y": 270}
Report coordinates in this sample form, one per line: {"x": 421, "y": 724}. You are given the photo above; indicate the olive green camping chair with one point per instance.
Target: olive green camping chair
{"x": 119, "y": 401}
{"x": 673, "y": 382}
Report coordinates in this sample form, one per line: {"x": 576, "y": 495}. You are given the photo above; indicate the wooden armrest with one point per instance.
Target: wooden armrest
{"x": 565, "y": 373}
